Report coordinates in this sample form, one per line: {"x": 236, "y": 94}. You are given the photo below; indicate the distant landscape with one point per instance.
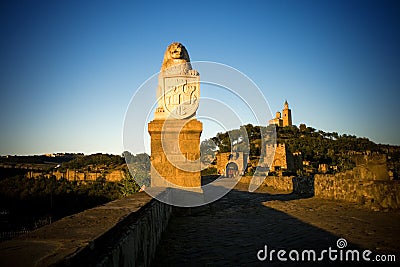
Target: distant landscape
{"x": 37, "y": 190}
{"x": 32, "y": 196}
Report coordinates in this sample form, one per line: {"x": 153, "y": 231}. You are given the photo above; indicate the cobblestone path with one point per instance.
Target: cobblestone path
{"x": 231, "y": 231}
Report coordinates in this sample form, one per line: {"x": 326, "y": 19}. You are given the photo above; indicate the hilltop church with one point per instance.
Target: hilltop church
{"x": 286, "y": 119}
{"x": 283, "y": 158}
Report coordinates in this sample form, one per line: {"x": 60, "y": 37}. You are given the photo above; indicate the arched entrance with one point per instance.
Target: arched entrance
{"x": 231, "y": 169}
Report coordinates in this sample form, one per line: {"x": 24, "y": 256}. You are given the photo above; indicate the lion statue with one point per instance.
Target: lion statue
{"x": 177, "y": 56}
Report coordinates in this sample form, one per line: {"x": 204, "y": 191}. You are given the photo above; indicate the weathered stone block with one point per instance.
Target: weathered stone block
{"x": 180, "y": 165}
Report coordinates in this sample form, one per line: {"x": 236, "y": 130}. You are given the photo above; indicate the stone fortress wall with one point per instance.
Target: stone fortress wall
{"x": 72, "y": 175}
{"x": 368, "y": 184}
{"x": 283, "y": 159}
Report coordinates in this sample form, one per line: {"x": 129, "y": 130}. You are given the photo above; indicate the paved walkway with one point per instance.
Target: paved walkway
{"x": 233, "y": 229}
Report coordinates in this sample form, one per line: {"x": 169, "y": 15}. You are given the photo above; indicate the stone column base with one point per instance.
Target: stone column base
{"x": 175, "y": 154}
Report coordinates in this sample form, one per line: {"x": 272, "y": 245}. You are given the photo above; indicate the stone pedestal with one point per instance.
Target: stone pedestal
{"x": 175, "y": 153}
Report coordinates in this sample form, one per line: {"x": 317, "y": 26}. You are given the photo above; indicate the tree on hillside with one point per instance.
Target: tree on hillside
{"x": 128, "y": 184}
{"x": 208, "y": 149}
{"x": 137, "y": 172}
{"x": 223, "y": 142}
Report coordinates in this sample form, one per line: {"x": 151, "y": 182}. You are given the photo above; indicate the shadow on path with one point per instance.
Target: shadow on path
{"x": 230, "y": 232}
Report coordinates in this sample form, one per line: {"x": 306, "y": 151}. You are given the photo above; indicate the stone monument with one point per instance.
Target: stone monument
{"x": 175, "y": 131}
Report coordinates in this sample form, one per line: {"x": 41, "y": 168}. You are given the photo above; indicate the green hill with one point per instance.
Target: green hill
{"x": 316, "y": 146}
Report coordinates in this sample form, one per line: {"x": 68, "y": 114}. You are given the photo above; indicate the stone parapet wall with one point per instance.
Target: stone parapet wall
{"x": 298, "y": 185}
{"x": 124, "y": 232}
{"x": 374, "y": 194}
{"x": 303, "y": 185}
{"x": 283, "y": 183}
{"x": 137, "y": 244}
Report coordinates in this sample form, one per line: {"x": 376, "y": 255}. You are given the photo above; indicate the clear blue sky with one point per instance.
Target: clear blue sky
{"x": 68, "y": 69}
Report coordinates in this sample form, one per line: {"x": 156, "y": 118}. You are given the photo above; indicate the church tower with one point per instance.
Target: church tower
{"x": 287, "y": 115}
